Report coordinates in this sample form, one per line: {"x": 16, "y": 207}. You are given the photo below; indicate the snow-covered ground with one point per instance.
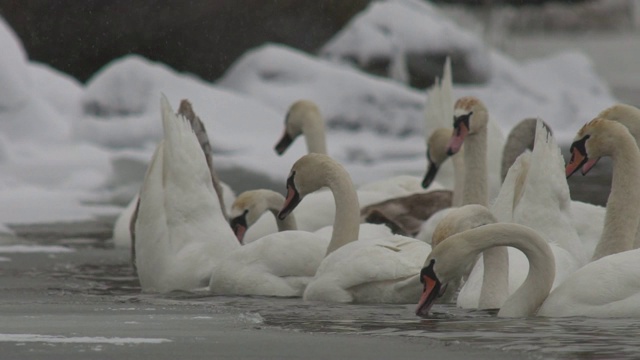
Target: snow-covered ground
{"x": 70, "y": 151}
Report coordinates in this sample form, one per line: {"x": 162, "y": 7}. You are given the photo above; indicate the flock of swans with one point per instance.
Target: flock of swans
{"x": 527, "y": 248}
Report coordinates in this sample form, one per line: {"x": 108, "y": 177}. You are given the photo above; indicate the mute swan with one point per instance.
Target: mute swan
{"x": 282, "y": 263}
{"x": 181, "y": 231}
{"x": 381, "y": 270}
{"x": 444, "y": 265}
{"x": 602, "y": 137}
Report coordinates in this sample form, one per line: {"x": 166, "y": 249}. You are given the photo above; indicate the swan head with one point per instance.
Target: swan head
{"x": 302, "y": 115}
{"x": 308, "y": 174}
{"x": 245, "y": 211}
{"x": 469, "y": 117}
{"x": 620, "y": 113}
{"x": 443, "y": 265}
{"x": 597, "y": 138}
{"x": 436, "y": 153}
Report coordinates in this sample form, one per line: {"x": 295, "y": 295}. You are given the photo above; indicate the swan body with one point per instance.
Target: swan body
{"x": 607, "y": 287}
{"x": 374, "y": 270}
{"x": 181, "y": 231}
{"x": 279, "y": 264}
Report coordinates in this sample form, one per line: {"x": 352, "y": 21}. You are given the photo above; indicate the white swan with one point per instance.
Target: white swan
{"x": 181, "y": 231}
{"x": 281, "y": 264}
{"x": 602, "y": 137}
{"x": 444, "y": 264}
{"x": 381, "y": 270}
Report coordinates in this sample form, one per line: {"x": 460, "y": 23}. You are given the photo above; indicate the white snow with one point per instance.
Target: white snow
{"x": 71, "y": 151}
{"x": 21, "y": 338}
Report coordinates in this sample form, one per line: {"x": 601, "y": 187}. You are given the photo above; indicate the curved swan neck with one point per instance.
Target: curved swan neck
{"x": 475, "y": 160}
{"x": 535, "y": 289}
{"x": 314, "y": 135}
{"x": 346, "y": 224}
{"x": 274, "y": 204}
{"x": 623, "y": 206}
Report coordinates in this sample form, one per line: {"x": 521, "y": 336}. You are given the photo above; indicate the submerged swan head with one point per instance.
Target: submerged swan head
{"x": 436, "y": 153}
{"x": 598, "y": 138}
{"x": 470, "y": 116}
{"x": 302, "y": 117}
{"x": 443, "y": 264}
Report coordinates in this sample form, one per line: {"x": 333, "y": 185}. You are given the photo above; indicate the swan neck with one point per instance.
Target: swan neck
{"x": 314, "y": 135}
{"x": 495, "y": 279}
{"x": 475, "y": 161}
{"x": 623, "y": 206}
{"x": 458, "y": 178}
{"x": 536, "y": 287}
{"x": 346, "y": 224}
{"x": 275, "y": 201}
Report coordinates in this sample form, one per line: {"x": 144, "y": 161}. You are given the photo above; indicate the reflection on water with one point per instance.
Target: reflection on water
{"x": 561, "y": 338}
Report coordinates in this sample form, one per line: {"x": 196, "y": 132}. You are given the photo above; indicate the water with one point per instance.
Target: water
{"x": 548, "y": 338}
